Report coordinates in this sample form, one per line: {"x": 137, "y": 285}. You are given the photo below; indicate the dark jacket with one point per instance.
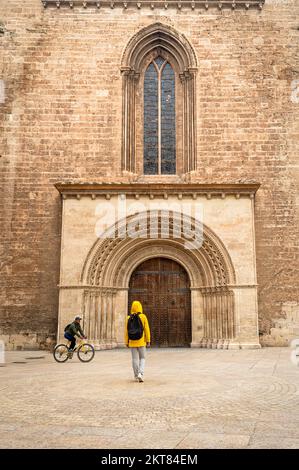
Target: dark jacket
{"x": 74, "y": 328}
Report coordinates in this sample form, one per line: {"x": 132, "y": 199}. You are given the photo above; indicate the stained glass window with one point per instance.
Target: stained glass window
{"x": 159, "y": 119}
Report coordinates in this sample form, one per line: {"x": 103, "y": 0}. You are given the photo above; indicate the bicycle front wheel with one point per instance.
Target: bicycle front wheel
{"x": 60, "y": 353}
{"x": 86, "y": 352}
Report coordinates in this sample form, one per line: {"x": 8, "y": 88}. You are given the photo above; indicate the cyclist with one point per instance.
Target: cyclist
{"x": 72, "y": 330}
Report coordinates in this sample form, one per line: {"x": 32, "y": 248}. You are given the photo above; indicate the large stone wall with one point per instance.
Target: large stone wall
{"x": 61, "y": 114}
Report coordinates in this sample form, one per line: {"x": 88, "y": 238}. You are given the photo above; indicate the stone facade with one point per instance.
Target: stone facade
{"x": 108, "y": 230}
{"x": 61, "y": 105}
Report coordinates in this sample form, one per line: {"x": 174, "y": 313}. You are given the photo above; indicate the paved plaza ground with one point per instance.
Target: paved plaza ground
{"x": 192, "y": 398}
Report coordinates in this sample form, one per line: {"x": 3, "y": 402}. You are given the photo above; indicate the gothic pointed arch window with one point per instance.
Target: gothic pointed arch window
{"x": 159, "y": 126}
{"x": 159, "y": 109}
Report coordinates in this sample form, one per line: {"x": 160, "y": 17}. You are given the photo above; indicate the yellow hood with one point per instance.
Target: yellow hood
{"x": 136, "y": 307}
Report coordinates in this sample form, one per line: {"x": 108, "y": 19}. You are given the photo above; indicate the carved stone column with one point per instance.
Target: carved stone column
{"x": 219, "y": 321}
{"x": 130, "y": 78}
{"x": 189, "y": 119}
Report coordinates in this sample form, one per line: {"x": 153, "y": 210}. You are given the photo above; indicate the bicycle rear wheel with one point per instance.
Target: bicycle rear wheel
{"x": 86, "y": 352}
{"x": 60, "y": 353}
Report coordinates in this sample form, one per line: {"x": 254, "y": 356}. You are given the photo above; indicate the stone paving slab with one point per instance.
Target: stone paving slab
{"x": 259, "y": 441}
{"x": 213, "y": 440}
{"x": 191, "y": 398}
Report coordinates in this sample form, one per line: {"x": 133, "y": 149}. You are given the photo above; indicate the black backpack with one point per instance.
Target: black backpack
{"x": 135, "y": 326}
{"x": 67, "y": 327}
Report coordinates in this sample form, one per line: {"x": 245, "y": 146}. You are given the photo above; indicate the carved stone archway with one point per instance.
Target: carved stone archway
{"x": 112, "y": 260}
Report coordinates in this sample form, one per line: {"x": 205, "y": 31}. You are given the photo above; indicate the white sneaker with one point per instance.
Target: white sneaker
{"x": 140, "y": 377}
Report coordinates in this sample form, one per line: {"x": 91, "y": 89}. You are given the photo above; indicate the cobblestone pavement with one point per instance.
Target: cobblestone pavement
{"x": 191, "y": 398}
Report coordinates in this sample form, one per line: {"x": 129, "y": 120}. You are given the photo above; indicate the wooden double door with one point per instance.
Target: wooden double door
{"x": 162, "y": 286}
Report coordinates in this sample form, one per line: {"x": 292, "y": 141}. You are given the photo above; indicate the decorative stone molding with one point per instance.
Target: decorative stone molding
{"x": 187, "y": 190}
{"x": 238, "y": 286}
{"x": 90, "y": 287}
{"x": 152, "y": 4}
{"x": 214, "y": 343}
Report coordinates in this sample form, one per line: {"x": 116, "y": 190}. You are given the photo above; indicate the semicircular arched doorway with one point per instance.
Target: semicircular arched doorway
{"x": 162, "y": 286}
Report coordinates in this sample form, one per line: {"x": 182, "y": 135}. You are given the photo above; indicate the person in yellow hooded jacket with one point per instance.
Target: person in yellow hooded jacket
{"x": 138, "y": 346}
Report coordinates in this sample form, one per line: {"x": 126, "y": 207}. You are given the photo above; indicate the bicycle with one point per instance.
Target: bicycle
{"x": 85, "y": 352}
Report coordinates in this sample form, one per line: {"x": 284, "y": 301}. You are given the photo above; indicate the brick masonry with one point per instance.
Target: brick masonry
{"x": 61, "y": 114}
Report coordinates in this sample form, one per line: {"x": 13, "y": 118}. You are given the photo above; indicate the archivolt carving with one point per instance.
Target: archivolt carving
{"x": 162, "y": 35}
{"x": 209, "y": 265}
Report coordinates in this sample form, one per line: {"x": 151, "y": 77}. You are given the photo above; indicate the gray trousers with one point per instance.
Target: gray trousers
{"x": 138, "y": 360}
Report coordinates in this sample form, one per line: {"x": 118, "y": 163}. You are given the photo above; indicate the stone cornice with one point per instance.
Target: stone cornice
{"x": 152, "y": 4}
{"x": 136, "y": 190}
{"x": 113, "y": 290}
